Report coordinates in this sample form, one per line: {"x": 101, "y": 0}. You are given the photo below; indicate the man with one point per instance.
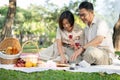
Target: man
{"x": 97, "y": 38}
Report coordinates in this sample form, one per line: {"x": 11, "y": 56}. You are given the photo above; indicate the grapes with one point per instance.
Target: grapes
{"x": 20, "y": 63}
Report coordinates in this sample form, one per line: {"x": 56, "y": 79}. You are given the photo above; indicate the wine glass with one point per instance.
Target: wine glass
{"x": 77, "y": 43}
{"x": 70, "y": 36}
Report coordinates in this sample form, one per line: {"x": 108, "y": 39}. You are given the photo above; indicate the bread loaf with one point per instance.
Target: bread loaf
{"x": 11, "y": 50}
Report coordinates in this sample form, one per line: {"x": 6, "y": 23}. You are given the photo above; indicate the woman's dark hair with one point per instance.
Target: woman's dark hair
{"x": 66, "y": 15}
{"x": 87, "y": 5}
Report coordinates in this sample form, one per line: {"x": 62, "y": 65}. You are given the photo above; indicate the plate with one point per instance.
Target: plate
{"x": 63, "y": 65}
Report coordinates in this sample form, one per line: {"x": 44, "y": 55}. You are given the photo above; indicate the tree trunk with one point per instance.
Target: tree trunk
{"x": 116, "y": 35}
{"x": 21, "y": 37}
{"x": 7, "y": 29}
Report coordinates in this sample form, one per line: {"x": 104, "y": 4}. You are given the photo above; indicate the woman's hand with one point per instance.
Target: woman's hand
{"x": 72, "y": 43}
{"x": 76, "y": 54}
{"x": 63, "y": 60}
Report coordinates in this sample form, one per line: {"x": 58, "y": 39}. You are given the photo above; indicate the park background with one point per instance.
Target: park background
{"x": 37, "y": 20}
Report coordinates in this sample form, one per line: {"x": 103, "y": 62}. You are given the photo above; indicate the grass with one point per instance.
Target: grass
{"x": 30, "y": 48}
{"x": 117, "y": 52}
{"x": 55, "y": 75}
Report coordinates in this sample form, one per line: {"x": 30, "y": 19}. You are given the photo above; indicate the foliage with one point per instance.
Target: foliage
{"x": 3, "y": 13}
{"x": 40, "y": 20}
{"x": 55, "y": 75}
{"x": 1, "y": 22}
{"x": 3, "y": 10}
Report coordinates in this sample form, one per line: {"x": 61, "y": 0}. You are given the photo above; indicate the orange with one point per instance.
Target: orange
{"x": 34, "y": 64}
{"x": 28, "y": 64}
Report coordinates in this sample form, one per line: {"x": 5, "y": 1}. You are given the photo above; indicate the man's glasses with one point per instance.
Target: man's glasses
{"x": 83, "y": 15}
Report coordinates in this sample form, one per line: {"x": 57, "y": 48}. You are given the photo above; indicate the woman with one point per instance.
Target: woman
{"x": 68, "y": 34}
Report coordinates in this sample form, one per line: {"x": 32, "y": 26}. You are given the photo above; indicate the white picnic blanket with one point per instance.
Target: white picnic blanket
{"x": 114, "y": 68}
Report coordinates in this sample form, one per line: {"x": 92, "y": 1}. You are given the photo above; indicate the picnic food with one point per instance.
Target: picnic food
{"x": 8, "y": 50}
{"x": 20, "y": 63}
{"x": 28, "y": 64}
{"x": 11, "y": 50}
{"x": 34, "y": 64}
{"x": 14, "y": 50}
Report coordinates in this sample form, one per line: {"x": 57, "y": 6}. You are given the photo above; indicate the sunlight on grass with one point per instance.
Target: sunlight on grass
{"x": 55, "y": 75}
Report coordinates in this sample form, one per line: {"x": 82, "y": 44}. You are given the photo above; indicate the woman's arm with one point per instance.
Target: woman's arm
{"x": 61, "y": 51}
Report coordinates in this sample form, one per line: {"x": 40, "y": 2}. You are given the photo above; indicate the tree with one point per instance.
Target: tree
{"x": 109, "y": 10}
{"x": 116, "y": 35}
{"x": 7, "y": 28}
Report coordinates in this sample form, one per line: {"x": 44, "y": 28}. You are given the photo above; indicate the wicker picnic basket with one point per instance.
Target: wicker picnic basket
{"x": 30, "y": 56}
{"x": 33, "y": 44}
{"x": 9, "y": 58}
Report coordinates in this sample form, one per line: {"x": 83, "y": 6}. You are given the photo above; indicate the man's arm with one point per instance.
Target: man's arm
{"x": 95, "y": 42}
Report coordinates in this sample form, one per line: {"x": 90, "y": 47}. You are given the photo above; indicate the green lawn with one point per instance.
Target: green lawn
{"x": 117, "y": 52}
{"x": 55, "y": 75}
{"x": 30, "y": 48}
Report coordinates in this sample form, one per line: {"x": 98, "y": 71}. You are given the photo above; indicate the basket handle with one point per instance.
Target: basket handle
{"x": 30, "y": 41}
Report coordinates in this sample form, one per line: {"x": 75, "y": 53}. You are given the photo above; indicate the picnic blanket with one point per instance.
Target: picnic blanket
{"x": 114, "y": 68}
